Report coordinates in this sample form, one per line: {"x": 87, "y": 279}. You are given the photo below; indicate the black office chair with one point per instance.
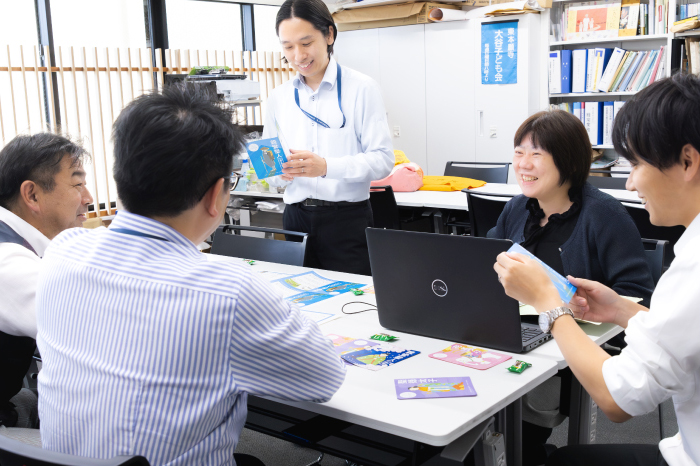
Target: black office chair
{"x": 484, "y": 210}
{"x": 457, "y": 221}
{"x": 607, "y": 181}
{"x": 489, "y": 172}
{"x": 646, "y": 230}
{"x": 384, "y": 209}
{"x": 256, "y": 248}
{"x": 15, "y": 453}
{"x": 655, "y": 252}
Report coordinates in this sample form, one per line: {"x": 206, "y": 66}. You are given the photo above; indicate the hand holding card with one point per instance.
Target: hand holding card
{"x": 564, "y": 287}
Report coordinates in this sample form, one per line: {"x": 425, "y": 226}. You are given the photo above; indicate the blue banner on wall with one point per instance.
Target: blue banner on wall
{"x": 499, "y": 52}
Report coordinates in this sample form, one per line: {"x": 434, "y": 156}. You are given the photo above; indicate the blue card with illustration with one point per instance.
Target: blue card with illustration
{"x": 564, "y": 287}
{"x": 433, "y": 387}
{"x": 378, "y": 357}
{"x": 267, "y": 157}
{"x": 340, "y": 287}
{"x": 308, "y": 297}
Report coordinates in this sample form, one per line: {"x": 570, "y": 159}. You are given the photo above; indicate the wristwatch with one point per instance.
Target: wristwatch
{"x": 547, "y": 318}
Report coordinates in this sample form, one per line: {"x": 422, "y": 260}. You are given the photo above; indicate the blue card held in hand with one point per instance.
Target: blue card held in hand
{"x": 564, "y": 287}
{"x": 267, "y": 157}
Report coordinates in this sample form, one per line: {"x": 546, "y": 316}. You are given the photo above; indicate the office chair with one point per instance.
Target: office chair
{"x": 484, "y": 210}
{"x": 608, "y": 182}
{"x": 256, "y": 248}
{"x": 384, "y": 209}
{"x": 15, "y": 453}
{"x": 489, "y": 172}
{"x": 649, "y": 231}
{"x": 655, "y": 251}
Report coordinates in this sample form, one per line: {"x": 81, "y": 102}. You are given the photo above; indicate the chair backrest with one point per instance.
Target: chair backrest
{"x": 646, "y": 230}
{"x": 608, "y": 182}
{"x": 262, "y": 249}
{"x": 484, "y": 210}
{"x": 384, "y": 209}
{"x": 655, "y": 252}
{"x": 484, "y": 171}
{"x": 16, "y": 453}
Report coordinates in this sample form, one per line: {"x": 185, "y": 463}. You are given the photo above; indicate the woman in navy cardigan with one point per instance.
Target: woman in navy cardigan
{"x": 572, "y": 227}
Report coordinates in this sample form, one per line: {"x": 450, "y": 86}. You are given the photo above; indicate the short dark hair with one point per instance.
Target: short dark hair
{"x": 563, "y": 135}
{"x": 314, "y": 11}
{"x": 170, "y": 148}
{"x": 658, "y": 121}
{"x": 36, "y": 158}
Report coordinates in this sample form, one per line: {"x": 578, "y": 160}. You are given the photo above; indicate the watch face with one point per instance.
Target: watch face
{"x": 544, "y": 322}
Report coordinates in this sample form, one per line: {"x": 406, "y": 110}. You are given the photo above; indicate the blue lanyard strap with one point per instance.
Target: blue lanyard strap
{"x": 317, "y": 120}
{"x": 127, "y": 231}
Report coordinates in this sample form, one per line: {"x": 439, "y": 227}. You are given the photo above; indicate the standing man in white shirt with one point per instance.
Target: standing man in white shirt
{"x": 42, "y": 192}
{"x": 658, "y": 132}
{"x": 333, "y": 120}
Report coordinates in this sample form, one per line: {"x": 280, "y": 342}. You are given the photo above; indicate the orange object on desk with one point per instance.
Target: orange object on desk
{"x": 449, "y": 183}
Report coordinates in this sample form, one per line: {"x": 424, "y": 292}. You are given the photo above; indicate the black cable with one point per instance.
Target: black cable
{"x": 358, "y": 312}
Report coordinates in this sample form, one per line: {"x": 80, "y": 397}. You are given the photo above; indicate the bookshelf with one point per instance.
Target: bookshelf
{"x": 629, "y": 43}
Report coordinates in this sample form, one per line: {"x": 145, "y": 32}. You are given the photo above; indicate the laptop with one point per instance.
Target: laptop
{"x": 444, "y": 286}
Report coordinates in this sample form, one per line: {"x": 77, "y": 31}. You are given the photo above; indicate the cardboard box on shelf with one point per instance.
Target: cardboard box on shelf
{"x": 387, "y": 15}
{"x": 542, "y": 3}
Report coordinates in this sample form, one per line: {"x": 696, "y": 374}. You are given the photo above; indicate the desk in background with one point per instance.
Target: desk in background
{"x": 439, "y": 202}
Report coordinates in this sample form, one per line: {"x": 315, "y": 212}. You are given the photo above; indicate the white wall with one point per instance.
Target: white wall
{"x": 431, "y": 82}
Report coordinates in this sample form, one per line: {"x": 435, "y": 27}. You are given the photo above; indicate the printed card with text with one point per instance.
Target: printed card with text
{"x": 433, "y": 387}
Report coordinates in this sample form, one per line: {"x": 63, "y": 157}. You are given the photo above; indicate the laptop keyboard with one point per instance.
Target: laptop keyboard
{"x": 528, "y": 333}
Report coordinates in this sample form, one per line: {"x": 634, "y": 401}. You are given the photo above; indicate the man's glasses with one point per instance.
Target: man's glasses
{"x": 234, "y": 179}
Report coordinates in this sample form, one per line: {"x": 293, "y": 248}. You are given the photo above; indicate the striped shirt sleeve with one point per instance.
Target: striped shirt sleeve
{"x": 278, "y": 352}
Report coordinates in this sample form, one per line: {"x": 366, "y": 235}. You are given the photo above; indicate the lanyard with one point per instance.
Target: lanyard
{"x": 127, "y": 231}
{"x": 313, "y": 118}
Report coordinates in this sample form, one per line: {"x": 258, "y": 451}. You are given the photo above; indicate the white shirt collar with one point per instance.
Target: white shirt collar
{"x": 34, "y": 237}
{"x": 329, "y": 76}
{"x": 691, "y": 232}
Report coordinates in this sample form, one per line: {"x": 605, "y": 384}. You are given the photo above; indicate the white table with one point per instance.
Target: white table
{"x": 368, "y": 398}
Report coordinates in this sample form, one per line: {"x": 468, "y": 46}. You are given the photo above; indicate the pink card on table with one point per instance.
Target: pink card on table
{"x": 470, "y": 356}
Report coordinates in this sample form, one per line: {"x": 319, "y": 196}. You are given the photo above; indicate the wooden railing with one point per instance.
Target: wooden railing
{"x": 91, "y": 87}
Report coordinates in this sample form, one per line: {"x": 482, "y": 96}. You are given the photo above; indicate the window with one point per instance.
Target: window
{"x": 204, "y": 26}
{"x": 98, "y": 23}
{"x": 20, "y": 114}
{"x": 265, "y": 36}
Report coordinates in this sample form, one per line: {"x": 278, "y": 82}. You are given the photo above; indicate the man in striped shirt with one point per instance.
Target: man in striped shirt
{"x": 148, "y": 348}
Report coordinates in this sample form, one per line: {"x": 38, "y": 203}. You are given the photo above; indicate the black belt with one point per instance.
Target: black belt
{"x": 322, "y": 203}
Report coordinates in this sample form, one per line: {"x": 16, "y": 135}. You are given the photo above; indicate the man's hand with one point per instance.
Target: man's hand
{"x": 596, "y": 302}
{"x": 302, "y": 163}
{"x": 525, "y": 280}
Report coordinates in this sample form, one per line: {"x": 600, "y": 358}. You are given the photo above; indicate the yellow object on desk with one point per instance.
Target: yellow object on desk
{"x": 449, "y": 183}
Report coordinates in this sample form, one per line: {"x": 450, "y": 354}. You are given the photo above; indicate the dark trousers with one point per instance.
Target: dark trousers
{"x": 607, "y": 455}
{"x": 336, "y": 239}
